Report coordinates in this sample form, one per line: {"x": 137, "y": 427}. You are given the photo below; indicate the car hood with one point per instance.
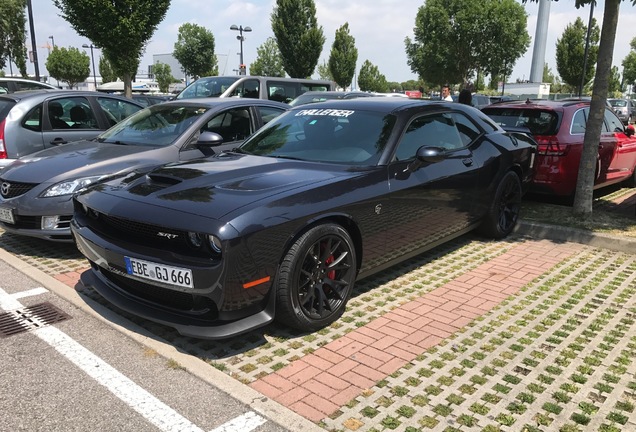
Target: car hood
{"x": 219, "y": 185}
{"x": 74, "y": 160}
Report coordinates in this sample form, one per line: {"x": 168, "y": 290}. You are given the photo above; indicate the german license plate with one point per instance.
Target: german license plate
{"x": 6, "y": 215}
{"x": 159, "y": 273}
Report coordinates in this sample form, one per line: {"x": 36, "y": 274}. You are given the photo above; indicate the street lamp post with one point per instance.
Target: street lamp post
{"x": 92, "y": 61}
{"x": 241, "y": 38}
{"x": 52, "y": 41}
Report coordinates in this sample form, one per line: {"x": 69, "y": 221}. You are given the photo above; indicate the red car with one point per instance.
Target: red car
{"x": 559, "y": 129}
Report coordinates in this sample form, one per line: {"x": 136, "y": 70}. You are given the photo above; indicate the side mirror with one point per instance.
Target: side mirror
{"x": 629, "y": 130}
{"x": 426, "y": 155}
{"x": 209, "y": 139}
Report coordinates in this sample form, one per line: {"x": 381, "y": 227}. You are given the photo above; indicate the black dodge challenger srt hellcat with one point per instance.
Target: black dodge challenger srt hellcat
{"x": 282, "y": 226}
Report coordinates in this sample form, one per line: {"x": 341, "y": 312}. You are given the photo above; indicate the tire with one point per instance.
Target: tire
{"x": 631, "y": 181}
{"x": 504, "y": 210}
{"x": 316, "y": 278}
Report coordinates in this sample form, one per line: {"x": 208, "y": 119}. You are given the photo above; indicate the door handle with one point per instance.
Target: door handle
{"x": 467, "y": 161}
{"x": 58, "y": 141}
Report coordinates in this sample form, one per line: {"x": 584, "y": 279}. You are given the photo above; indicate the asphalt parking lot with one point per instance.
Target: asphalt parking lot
{"x": 533, "y": 334}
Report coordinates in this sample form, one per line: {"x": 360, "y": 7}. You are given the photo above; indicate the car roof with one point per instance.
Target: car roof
{"x": 25, "y": 80}
{"x": 47, "y": 93}
{"x": 537, "y": 104}
{"x": 378, "y": 103}
{"x": 226, "y": 102}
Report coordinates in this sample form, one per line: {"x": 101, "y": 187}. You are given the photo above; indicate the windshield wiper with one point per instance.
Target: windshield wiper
{"x": 285, "y": 157}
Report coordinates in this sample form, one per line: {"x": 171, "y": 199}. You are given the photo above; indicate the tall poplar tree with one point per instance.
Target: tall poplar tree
{"x": 121, "y": 29}
{"x": 13, "y": 34}
{"x": 299, "y": 38}
{"x": 570, "y": 53}
{"x": 343, "y": 57}
{"x": 370, "y": 78}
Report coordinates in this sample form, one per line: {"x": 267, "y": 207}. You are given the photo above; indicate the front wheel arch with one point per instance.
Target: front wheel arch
{"x": 503, "y": 212}
{"x": 316, "y": 278}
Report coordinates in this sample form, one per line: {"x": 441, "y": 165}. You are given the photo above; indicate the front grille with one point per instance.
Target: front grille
{"x": 125, "y": 230}
{"x": 11, "y": 190}
{"x": 200, "y": 307}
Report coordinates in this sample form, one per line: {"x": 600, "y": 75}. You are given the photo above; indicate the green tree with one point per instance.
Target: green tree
{"x": 194, "y": 50}
{"x": 548, "y": 76}
{"x": 163, "y": 76}
{"x": 629, "y": 65}
{"x": 299, "y": 38}
{"x": 105, "y": 71}
{"x": 268, "y": 60}
{"x": 121, "y": 29}
{"x": 505, "y": 37}
{"x": 343, "y": 57}
{"x": 13, "y": 35}
{"x": 614, "y": 81}
{"x": 324, "y": 72}
{"x": 370, "y": 79}
{"x": 71, "y": 65}
{"x": 486, "y": 35}
{"x": 570, "y": 53}
{"x": 394, "y": 86}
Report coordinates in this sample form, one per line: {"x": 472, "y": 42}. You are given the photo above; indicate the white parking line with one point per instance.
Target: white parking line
{"x": 244, "y": 423}
{"x": 152, "y": 409}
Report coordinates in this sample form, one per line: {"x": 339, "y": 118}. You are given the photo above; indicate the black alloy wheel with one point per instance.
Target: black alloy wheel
{"x": 504, "y": 210}
{"x": 316, "y": 278}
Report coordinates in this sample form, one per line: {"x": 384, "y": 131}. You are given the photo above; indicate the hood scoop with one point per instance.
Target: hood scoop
{"x": 163, "y": 180}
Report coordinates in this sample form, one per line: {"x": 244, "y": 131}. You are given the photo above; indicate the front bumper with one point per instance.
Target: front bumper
{"x": 195, "y": 312}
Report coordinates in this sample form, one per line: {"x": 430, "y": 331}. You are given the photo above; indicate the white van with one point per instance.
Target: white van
{"x": 255, "y": 87}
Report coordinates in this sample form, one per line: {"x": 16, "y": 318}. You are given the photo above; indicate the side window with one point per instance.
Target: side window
{"x": 4, "y": 87}
{"x": 269, "y": 113}
{"x": 250, "y": 89}
{"x": 468, "y": 132}
{"x": 437, "y": 130}
{"x": 579, "y": 122}
{"x": 232, "y": 125}
{"x": 72, "y": 112}
{"x": 613, "y": 123}
{"x": 116, "y": 110}
{"x": 33, "y": 119}
{"x": 20, "y": 86}
{"x": 281, "y": 91}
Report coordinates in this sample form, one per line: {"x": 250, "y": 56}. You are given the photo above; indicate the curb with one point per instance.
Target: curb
{"x": 270, "y": 409}
{"x": 565, "y": 234}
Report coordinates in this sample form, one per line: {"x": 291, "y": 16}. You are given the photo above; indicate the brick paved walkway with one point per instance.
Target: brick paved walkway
{"x": 318, "y": 384}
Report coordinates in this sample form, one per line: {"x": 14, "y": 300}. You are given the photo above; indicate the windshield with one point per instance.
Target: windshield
{"x": 310, "y": 98}
{"x": 618, "y": 102}
{"x": 324, "y": 135}
{"x": 539, "y": 122}
{"x": 156, "y": 126}
{"x": 207, "y": 87}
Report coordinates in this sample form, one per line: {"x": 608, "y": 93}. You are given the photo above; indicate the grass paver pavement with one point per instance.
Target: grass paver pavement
{"x": 556, "y": 356}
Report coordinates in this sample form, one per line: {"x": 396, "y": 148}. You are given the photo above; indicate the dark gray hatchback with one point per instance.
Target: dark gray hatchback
{"x": 36, "y": 191}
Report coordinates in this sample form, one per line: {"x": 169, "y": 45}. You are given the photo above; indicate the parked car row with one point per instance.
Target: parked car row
{"x": 217, "y": 215}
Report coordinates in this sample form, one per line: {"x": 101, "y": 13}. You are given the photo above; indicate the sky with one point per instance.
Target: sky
{"x": 379, "y": 28}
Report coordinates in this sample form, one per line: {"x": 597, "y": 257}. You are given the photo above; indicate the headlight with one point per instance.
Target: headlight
{"x": 215, "y": 243}
{"x": 69, "y": 187}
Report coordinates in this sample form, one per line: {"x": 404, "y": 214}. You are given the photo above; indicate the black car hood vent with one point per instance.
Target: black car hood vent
{"x": 164, "y": 180}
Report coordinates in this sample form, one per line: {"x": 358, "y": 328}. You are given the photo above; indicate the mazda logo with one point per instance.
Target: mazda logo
{"x": 4, "y": 189}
